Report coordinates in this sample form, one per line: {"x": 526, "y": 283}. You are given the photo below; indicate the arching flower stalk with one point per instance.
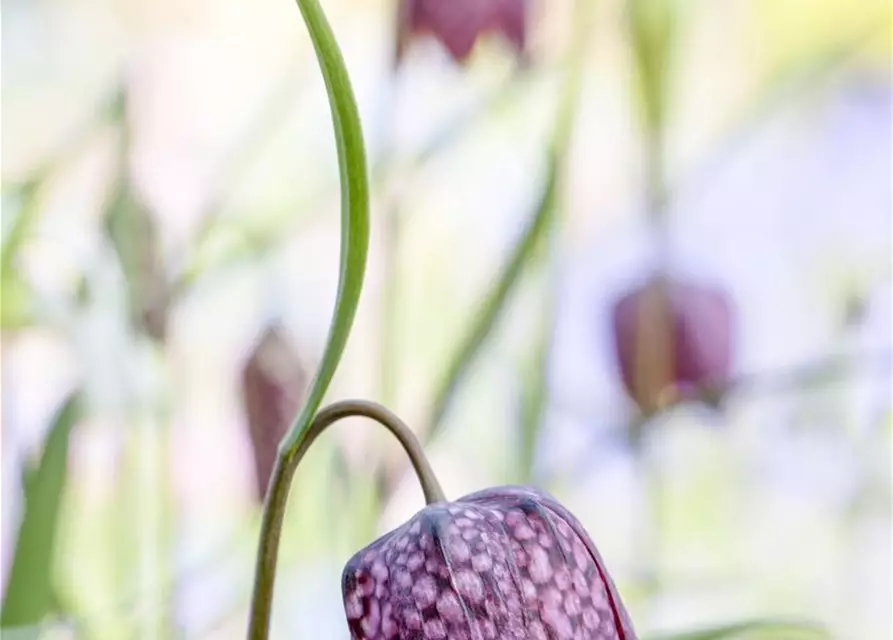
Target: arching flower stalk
{"x": 503, "y": 563}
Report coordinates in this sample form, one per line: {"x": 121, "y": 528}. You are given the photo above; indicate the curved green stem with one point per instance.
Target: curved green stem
{"x": 354, "y": 247}
{"x": 280, "y": 482}
{"x": 354, "y": 210}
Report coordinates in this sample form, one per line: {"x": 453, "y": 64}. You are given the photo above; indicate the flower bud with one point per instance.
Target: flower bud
{"x": 459, "y": 23}
{"x": 672, "y": 339}
{"x": 503, "y": 563}
{"x": 273, "y": 383}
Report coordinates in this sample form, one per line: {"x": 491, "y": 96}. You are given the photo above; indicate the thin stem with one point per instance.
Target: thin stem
{"x": 535, "y": 393}
{"x": 280, "y": 483}
{"x": 652, "y": 26}
{"x": 649, "y": 528}
{"x": 354, "y": 246}
{"x": 388, "y": 353}
{"x": 800, "y": 378}
{"x": 390, "y": 295}
{"x": 656, "y": 199}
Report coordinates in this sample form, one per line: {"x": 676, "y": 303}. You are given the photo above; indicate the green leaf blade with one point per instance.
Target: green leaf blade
{"x": 529, "y": 245}
{"x": 484, "y": 322}
{"x": 29, "y": 594}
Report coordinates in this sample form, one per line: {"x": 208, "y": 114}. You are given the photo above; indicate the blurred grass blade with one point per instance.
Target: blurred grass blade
{"x": 484, "y": 320}
{"x": 354, "y": 211}
{"x": 534, "y": 391}
{"x": 16, "y": 299}
{"x": 653, "y": 25}
{"x": 29, "y": 594}
{"x": 754, "y": 629}
{"x": 16, "y": 302}
{"x": 28, "y": 191}
{"x": 17, "y": 230}
{"x": 525, "y": 248}
{"x": 243, "y": 239}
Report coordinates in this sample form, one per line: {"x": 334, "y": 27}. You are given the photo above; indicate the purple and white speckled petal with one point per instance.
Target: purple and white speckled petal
{"x": 506, "y": 563}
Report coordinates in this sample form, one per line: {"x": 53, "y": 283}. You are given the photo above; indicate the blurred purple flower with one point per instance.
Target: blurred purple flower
{"x": 673, "y": 340}
{"x": 273, "y": 382}
{"x": 459, "y": 23}
{"x": 506, "y": 562}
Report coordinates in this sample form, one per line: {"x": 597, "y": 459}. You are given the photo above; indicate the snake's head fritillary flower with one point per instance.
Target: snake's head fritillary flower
{"x": 273, "y": 381}
{"x": 503, "y": 563}
{"x": 457, "y": 24}
{"x": 671, "y": 337}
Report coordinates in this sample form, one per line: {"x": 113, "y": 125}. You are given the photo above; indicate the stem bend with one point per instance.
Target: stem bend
{"x": 280, "y": 483}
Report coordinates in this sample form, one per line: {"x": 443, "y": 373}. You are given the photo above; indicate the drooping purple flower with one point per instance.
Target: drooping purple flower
{"x": 503, "y": 563}
{"x": 273, "y": 382}
{"x": 672, "y": 339}
{"x": 457, "y": 24}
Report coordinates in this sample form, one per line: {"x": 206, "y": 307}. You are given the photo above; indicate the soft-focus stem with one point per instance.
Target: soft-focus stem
{"x": 656, "y": 191}
{"x": 388, "y": 352}
{"x": 649, "y": 468}
{"x": 651, "y": 507}
{"x": 389, "y": 245}
{"x": 536, "y": 398}
{"x": 535, "y": 394}
{"x": 525, "y": 249}
{"x": 280, "y": 483}
{"x": 390, "y": 296}
{"x": 652, "y": 25}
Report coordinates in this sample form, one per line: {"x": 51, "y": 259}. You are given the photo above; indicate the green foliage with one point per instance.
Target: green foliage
{"x": 16, "y": 295}
{"x": 15, "y": 302}
{"x": 653, "y": 26}
{"x": 534, "y": 393}
{"x": 484, "y": 320}
{"x": 528, "y": 246}
{"x": 29, "y": 595}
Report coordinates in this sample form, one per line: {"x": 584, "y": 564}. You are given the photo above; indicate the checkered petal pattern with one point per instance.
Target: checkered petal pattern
{"x": 504, "y": 563}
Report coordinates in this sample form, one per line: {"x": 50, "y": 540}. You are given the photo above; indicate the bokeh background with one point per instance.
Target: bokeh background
{"x": 170, "y": 259}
